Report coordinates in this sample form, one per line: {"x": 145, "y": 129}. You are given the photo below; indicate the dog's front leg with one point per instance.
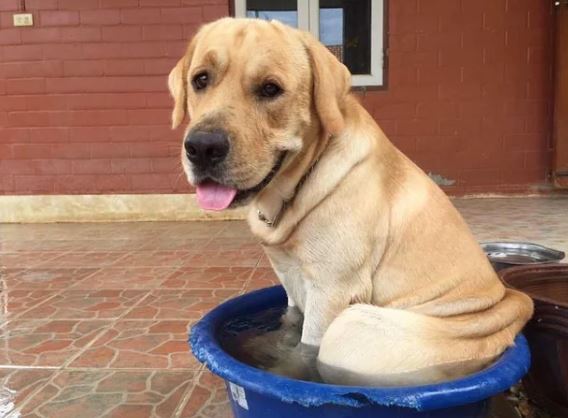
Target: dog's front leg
{"x": 291, "y": 325}
{"x": 300, "y": 363}
{"x": 293, "y": 316}
{"x": 321, "y": 308}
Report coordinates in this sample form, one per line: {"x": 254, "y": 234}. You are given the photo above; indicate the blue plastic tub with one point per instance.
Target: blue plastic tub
{"x": 254, "y": 393}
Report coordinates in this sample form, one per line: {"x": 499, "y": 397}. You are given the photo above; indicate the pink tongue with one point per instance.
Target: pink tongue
{"x": 213, "y": 196}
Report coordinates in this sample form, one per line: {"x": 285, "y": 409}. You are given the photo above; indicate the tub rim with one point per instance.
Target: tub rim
{"x": 507, "y": 371}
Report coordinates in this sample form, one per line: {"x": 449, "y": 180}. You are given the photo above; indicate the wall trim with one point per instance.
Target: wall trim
{"x": 146, "y": 207}
{"x": 107, "y": 208}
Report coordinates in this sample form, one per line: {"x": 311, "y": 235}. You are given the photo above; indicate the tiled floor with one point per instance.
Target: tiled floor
{"x": 94, "y": 317}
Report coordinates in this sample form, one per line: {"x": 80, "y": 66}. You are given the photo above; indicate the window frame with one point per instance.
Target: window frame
{"x": 308, "y": 20}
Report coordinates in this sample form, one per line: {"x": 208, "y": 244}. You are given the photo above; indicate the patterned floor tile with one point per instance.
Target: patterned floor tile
{"x": 152, "y": 280}
{"x": 225, "y": 258}
{"x": 86, "y": 304}
{"x": 16, "y": 386}
{"x": 116, "y": 244}
{"x": 235, "y": 229}
{"x": 28, "y": 259}
{"x": 135, "y": 344}
{"x": 84, "y": 259}
{"x": 180, "y": 304}
{"x": 182, "y": 230}
{"x": 17, "y": 246}
{"x": 208, "y": 278}
{"x": 538, "y": 220}
{"x": 208, "y": 399}
{"x": 243, "y": 244}
{"x": 40, "y": 232}
{"x": 264, "y": 262}
{"x": 78, "y": 231}
{"x": 174, "y": 243}
{"x": 45, "y": 343}
{"x": 45, "y": 279}
{"x": 110, "y": 394}
{"x": 199, "y": 230}
{"x": 116, "y": 230}
{"x": 15, "y": 302}
{"x": 262, "y": 277}
{"x": 127, "y": 278}
{"x": 160, "y": 258}
{"x": 77, "y": 245}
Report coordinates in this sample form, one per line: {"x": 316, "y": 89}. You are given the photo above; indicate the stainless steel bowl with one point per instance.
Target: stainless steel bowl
{"x": 520, "y": 253}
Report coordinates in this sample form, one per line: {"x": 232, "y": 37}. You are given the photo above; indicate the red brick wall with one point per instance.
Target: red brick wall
{"x": 84, "y": 106}
{"x": 469, "y": 90}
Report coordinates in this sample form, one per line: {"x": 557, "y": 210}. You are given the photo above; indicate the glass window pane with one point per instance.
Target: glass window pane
{"x": 345, "y": 28}
{"x": 286, "y": 11}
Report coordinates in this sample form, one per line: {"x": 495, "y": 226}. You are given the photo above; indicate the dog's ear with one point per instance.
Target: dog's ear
{"x": 177, "y": 83}
{"x": 331, "y": 83}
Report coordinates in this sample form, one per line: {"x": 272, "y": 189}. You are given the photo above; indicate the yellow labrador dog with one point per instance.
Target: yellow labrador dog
{"x": 383, "y": 277}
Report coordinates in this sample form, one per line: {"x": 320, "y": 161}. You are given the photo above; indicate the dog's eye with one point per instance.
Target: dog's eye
{"x": 200, "y": 81}
{"x": 270, "y": 90}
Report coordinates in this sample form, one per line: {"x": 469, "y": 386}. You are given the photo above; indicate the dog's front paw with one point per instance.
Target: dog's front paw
{"x": 291, "y": 370}
{"x": 292, "y": 318}
{"x": 296, "y": 371}
{"x": 272, "y": 348}
{"x": 300, "y": 364}
{"x": 291, "y": 327}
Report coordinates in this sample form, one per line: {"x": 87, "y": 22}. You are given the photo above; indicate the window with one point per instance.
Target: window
{"x": 351, "y": 29}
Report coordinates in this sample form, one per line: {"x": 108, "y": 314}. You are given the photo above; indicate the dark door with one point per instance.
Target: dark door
{"x": 560, "y": 130}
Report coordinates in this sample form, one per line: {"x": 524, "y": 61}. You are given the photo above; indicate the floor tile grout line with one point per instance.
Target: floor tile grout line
{"x": 95, "y": 271}
{"x": 62, "y": 368}
{"x": 24, "y": 367}
{"x": 147, "y": 293}
{"x": 82, "y": 251}
{"x": 108, "y": 327}
{"x": 248, "y": 280}
{"x": 62, "y": 253}
{"x": 122, "y": 316}
{"x": 20, "y": 407}
{"x": 19, "y": 315}
{"x": 187, "y": 396}
{"x": 121, "y": 369}
{"x": 215, "y": 235}
{"x": 71, "y": 287}
{"x": 126, "y": 254}
{"x": 116, "y": 287}
{"x": 87, "y": 346}
{"x": 57, "y": 371}
{"x": 109, "y": 319}
{"x": 111, "y": 324}
{"x": 58, "y": 292}
{"x": 78, "y": 285}
{"x": 117, "y": 319}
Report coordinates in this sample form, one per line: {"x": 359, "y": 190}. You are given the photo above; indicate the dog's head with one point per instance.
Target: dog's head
{"x": 251, "y": 89}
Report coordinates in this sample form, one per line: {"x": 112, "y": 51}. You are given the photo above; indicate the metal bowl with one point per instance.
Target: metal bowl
{"x": 520, "y": 253}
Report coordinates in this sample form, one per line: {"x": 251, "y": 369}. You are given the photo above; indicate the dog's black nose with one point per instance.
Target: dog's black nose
{"x": 206, "y": 149}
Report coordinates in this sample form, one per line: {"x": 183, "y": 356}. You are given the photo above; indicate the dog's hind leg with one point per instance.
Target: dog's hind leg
{"x": 372, "y": 346}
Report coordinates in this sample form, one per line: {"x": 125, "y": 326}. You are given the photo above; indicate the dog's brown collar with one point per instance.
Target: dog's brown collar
{"x": 273, "y": 223}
